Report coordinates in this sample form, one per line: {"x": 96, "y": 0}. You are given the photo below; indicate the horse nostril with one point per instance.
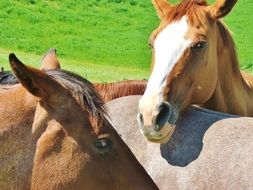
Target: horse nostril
{"x": 165, "y": 111}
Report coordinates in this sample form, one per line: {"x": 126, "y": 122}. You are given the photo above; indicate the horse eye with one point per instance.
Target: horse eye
{"x": 199, "y": 45}
{"x": 103, "y": 145}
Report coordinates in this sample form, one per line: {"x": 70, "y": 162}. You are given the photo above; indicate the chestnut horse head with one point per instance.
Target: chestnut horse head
{"x": 186, "y": 47}
{"x": 55, "y": 134}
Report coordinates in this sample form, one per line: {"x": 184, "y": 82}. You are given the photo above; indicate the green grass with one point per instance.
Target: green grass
{"x": 104, "y": 40}
{"x": 92, "y": 72}
{"x": 240, "y": 22}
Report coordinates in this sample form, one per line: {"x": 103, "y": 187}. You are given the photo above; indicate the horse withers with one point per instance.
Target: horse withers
{"x": 194, "y": 62}
{"x": 114, "y": 90}
{"x": 54, "y": 134}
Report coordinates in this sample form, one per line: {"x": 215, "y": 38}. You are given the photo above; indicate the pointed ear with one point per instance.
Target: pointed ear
{"x": 221, "y": 8}
{"x": 50, "y": 61}
{"x": 37, "y": 82}
{"x": 162, "y": 7}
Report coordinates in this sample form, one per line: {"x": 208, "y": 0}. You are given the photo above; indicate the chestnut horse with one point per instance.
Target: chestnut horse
{"x": 194, "y": 62}
{"x": 54, "y": 134}
{"x": 108, "y": 91}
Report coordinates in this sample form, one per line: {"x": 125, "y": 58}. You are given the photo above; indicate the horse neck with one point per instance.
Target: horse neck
{"x": 17, "y": 146}
{"x": 17, "y": 105}
{"x": 233, "y": 94}
{"x": 110, "y": 91}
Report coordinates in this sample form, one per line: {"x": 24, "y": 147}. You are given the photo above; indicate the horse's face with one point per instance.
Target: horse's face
{"x": 76, "y": 146}
{"x": 184, "y": 65}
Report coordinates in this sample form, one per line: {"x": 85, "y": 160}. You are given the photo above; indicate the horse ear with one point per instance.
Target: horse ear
{"x": 162, "y": 7}
{"x": 50, "y": 61}
{"x": 37, "y": 82}
{"x": 221, "y": 8}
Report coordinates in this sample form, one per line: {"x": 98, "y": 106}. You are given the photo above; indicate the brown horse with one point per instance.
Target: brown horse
{"x": 54, "y": 134}
{"x": 194, "y": 62}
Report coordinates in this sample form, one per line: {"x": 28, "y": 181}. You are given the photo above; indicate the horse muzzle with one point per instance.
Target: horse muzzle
{"x": 159, "y": 125}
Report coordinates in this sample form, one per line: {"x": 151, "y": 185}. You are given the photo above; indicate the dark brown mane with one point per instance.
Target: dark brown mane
{"x": 110, "y": 91}
{"x": 186, "y": 7}
{"x": 84, "y": 92}
{"x": 7, "y": 78}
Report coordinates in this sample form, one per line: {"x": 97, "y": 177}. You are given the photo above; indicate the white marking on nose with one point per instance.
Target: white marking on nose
{"x": 169, "y": 46}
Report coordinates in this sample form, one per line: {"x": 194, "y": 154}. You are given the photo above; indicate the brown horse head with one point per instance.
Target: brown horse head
{"x": 184, "y": 65}
{"x": 75, "y": 146}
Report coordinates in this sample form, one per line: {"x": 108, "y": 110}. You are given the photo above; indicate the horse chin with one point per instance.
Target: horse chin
{"x": 162, "y": 136}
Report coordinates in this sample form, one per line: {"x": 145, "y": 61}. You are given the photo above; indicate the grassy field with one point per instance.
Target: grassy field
{"x": 103, "y": 40}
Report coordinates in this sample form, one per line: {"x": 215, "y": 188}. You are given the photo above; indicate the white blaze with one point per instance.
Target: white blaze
{"x": 169, "y": 46}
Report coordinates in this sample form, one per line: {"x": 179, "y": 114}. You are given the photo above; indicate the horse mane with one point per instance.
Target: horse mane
{"x": 7, "y": 78}
{"x": 111, "y": 91}
{"x": 84, "y": 93}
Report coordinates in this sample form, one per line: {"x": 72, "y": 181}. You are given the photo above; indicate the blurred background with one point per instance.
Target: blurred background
{"x": 102, "y": 40}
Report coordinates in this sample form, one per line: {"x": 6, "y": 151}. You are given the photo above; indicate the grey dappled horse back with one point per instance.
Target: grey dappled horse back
{"x": 186, "y": 144}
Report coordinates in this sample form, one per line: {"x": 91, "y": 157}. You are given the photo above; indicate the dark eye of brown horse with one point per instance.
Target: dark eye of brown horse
{"x": 103, "y": 145}
{"x": 199, "y": 45}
